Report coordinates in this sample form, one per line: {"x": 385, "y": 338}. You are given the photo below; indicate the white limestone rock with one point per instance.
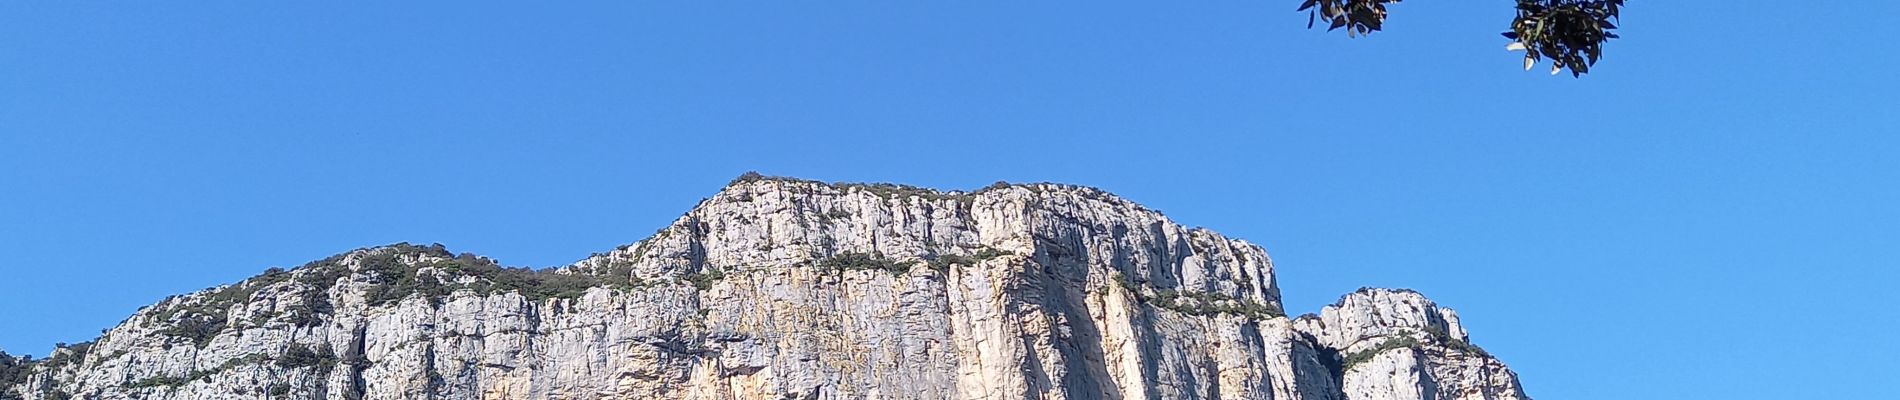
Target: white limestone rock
{"x": 789, "y": 289}
{"x": 1396, "y": 344}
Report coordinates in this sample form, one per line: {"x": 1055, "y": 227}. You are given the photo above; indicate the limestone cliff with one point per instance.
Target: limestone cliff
{"x": 779, "y": 288}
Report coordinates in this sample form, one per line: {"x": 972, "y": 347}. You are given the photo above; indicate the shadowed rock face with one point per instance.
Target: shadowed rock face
{"x": 787, "y": 289}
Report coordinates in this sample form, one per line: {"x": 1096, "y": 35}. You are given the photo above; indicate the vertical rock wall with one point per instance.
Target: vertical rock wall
{"x": 787, "y": 289}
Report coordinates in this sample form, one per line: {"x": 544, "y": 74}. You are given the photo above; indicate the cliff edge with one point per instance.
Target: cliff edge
{"x": 782, "y": 288}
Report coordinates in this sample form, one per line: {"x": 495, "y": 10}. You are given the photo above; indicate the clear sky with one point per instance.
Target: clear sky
{"x": 1713, "y": 213}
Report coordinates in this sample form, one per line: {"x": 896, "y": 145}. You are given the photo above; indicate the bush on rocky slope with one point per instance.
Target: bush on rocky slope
{"x": 13, "y": 372}
{"x": 1360, "y": 357}
{"x": 1197, "y": 303}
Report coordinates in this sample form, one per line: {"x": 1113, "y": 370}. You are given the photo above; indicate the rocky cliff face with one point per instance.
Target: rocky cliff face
{"x": 788, "y": 289}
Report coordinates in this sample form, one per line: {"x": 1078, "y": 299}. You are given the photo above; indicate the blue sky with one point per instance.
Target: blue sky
{"x": 1711, "y": 214}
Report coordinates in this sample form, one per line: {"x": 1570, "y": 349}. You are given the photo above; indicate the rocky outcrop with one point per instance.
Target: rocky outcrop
{"x": 1396, "y": 344}
{"x": 790, "y": 289}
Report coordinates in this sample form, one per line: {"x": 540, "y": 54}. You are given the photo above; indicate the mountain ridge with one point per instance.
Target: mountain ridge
{"x": 741, "y": 295}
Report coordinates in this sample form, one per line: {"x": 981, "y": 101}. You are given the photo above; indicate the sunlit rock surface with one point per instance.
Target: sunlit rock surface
{"x": 787, "y": 289}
